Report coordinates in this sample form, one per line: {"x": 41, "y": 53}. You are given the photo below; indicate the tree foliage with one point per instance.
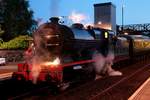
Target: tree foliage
{"x": 20, "y": 42}
{"x": 16, "y": 18}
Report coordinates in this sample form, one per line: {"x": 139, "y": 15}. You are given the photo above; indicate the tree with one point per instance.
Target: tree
{"x": 1, "y": 31}
{"x": 17, "y": 18}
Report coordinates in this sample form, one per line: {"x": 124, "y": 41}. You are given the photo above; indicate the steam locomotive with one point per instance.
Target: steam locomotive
{"x": 64, "y": 53}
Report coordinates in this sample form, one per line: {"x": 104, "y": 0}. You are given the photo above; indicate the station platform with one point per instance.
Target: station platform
{"x": 7, "y": 70}
{"x": 143, "y": 92}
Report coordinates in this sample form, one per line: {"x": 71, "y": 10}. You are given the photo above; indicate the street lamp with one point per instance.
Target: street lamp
{"x": 122, "y": 15}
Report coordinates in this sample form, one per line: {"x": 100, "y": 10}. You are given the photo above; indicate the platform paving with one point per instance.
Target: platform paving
{"x": 143, "y": 92}
{"x": 8, "y": 68}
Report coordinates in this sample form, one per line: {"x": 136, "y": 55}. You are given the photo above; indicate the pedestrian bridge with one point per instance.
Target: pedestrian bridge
{"x": 136, "y": 27}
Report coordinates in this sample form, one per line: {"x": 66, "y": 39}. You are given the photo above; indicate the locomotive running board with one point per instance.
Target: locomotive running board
{"x": 78, "y": 63}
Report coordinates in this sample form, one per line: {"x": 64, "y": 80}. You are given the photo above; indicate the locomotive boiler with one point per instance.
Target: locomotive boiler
{"x": 60, "y": 40}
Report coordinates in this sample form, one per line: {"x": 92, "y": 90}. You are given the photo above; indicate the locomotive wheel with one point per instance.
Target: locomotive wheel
{"x": 56, "y": 89}
{"x": 63, "y": 86}
{"x": 18, "y": 79}
{"x": 90, "y": 73}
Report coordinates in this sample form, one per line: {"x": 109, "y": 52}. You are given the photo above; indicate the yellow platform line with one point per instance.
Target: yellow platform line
{"x": 139, "y": 90}
{"x": 6, "y": 75}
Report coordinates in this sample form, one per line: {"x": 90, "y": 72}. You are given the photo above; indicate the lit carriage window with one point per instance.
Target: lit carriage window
{"x": 106, "y": 34}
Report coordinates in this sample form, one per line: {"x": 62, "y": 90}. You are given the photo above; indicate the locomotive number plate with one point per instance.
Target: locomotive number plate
{"x": 77, "y": 67}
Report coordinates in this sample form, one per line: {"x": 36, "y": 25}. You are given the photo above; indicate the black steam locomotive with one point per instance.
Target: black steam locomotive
{"x": 68, "y": 51}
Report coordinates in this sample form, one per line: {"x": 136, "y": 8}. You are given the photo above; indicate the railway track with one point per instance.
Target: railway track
{"x": 10, "y": 90}
{"x": 106, "y": 88}
{"x": 123, "y": 88}
{"x": 110, "y": 88}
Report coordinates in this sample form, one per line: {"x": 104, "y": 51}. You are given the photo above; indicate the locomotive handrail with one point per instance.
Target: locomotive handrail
{"x": 117, "y": 59}
{"x": 78, "y": 62}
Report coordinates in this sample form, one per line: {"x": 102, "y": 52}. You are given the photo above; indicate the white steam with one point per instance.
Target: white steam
{"x": 84, "y": 19}
{"x": 103, "y": 65}
{"x": 77, "y": 17}
{"x": 99, "y": 62}
{"x": 36, "y": 68}
{"x": 40, "y": 55}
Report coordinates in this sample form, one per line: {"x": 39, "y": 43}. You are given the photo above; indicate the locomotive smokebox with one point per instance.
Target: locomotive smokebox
{"x": 54, "y": 20}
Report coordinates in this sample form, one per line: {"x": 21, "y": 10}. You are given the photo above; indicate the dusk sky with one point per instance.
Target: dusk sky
{"x": 135, "y": 11}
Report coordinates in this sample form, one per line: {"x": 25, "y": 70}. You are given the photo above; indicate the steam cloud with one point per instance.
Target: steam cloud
{"x": 99, "y": 62}
{"x": 40, "y": 55}
{"x": 103, "y": 64}
{"x": 77, "y": 17}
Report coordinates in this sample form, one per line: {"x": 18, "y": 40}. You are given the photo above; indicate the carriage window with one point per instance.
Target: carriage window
{"x": 82, "y": 34}
{"x": 111, "y": 32}
{"x": 106, "y": 35}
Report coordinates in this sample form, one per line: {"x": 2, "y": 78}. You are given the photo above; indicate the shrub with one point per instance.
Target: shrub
{"x": 20, "y": 42}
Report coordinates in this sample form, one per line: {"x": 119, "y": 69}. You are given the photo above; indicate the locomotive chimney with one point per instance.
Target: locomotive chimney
{"x": 54, "y": 20}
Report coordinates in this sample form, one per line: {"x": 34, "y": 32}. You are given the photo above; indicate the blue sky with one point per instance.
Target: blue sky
{"x": 135, "y": 11}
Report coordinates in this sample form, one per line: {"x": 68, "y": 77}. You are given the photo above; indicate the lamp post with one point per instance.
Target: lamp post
{"x": 122, "y": 15}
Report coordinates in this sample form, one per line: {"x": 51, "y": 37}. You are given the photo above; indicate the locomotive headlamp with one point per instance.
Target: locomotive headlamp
{"x": 51, "y": 36}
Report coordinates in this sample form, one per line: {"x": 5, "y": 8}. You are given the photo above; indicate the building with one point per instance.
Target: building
{"x": 105, "y": 16}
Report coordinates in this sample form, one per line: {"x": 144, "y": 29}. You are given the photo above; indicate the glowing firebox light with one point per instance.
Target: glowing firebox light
{"x": 54, "y": 63}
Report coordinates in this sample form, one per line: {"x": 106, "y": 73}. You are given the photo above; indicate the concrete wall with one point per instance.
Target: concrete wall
{"x": 12, "y": 55}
